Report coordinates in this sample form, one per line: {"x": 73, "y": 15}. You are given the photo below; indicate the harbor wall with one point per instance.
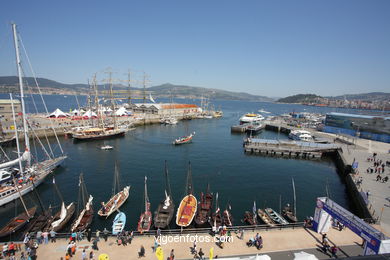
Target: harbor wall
{"x": 363, "y": 210}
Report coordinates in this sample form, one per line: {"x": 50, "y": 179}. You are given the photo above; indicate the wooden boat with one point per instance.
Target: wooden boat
{"x": 188, "y": 205}
{"x": 275, "y": 216}
{"x": 216, "y": 217}
{"x": 184, "y": 139}
{"x": 289, "y": 213}
{"x": 145, "y": 220}
{"x": 165, "y": 210}
{"x": 227, "y": 218}
{"x": 62, "y": 217}
{"x": 117, "y": 199}
{"x": 265, "y": 218}
{"x": 85, "y": 217}
{"x": 204, "y": 208}
{"x": 119, "y": 223}
{"x": 38, "y": 223}
{"x": 17, "y": 222}
{"x": 250, "y": 217}
{"x": 97, "y": 134}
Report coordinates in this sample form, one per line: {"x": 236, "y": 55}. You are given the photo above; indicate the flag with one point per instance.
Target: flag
{"x": 254, "y": 208}
{"x": 54, "y": 181}
{"x": 211, "y": 255}
{"x": 159, "y": 253}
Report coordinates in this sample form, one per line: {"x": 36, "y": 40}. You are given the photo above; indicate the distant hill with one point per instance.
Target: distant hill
{"x": 366, "y": 96}
{"x": 300, "y": 98}
{"x": 10, "y": 84}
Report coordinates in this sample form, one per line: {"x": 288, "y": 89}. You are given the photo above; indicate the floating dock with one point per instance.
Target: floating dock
{"x": 292, "y": 149}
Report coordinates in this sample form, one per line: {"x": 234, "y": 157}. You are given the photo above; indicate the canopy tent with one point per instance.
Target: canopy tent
{"x": 89, "y": 114}
{"x": 77, "y": 112}
{"x": 58, "y": 114}
{"x": 122, "y": 112}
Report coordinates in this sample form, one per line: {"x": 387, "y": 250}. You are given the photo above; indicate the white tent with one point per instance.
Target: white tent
{"x": 89, "y": 114}
{"x": 58, "y": 113}
{"x": 304, "y": 256}
{"x": 121, "y": 112}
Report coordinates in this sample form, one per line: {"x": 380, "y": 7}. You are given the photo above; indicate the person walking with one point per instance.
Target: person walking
{"x": 201, "y": 254}
{"x": 89, "y": 234}
{"x": 84, "y": 255}
{"x": 172, "y": 255}
{"x": 45, "y": 236}
{"x": 53, "y": 236}
{"x": 105, "y": 234}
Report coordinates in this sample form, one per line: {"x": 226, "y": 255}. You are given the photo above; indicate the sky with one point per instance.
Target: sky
{"x": 272, "y": 48}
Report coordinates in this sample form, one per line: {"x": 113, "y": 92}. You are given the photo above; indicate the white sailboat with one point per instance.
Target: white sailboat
{"x": 32, "y": 174}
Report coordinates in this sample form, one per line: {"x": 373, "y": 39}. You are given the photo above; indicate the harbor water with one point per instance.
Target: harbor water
{"x": 216, "y": 156}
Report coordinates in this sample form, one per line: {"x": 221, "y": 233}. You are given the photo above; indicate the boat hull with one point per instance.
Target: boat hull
{"x": 265, "y": 218}
{"x": 80, "y": 137}
{"x": 17, "y": 222}
{"x": 145, "y": 222}
{"x": 162, "y": 217}
{"x": 186, "y": 211}
{"x": 43, "y": 170}
{"x": 70, "y": 209}
{"x": 276, "y": 217}
{"x": 111, "y": 206}
{"x": 119, "y": 223}
{"x": 249, "y": 218}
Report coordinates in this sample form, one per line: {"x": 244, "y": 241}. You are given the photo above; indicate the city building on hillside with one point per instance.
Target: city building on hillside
{"x": 365, "y": 126}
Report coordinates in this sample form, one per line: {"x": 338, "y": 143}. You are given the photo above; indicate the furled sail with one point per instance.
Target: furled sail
{"x": 25, "y": 156}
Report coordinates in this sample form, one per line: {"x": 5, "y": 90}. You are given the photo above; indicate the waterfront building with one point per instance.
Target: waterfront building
{"x": 165, "y": 108}
{"x": 6, "y": 119}
{"x": 365, "y": 126}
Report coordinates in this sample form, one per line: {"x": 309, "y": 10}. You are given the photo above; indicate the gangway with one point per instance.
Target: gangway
{"x": 375, "y": 241}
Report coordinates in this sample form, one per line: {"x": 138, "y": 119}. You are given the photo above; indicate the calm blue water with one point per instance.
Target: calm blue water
{"x": 216, "y": 156}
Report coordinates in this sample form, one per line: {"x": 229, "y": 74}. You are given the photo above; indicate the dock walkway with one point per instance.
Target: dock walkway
{"x": 280, "y": 242}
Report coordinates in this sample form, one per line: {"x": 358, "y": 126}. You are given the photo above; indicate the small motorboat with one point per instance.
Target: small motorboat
{"x": 119, "y": 223}
{"x": 106, "y": 147}
{"x": 265, "y": 218}
{"x": 275, "y": 216}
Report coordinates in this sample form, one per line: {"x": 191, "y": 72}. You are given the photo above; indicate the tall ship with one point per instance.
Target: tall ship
{"x": 32, "y": 173}
{"x": 188, "y": 205}
{"x": 101, "y": 131}
{"x": 166, "y": 208}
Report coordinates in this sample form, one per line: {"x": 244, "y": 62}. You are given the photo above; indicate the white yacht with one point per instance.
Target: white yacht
{"x": 251, "y": 118}
{"x": 301, "y": 135}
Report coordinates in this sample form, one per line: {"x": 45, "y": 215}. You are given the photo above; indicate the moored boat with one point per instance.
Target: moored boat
{"x": 265, "y": 218}
{"x": 227, "y": 218}
{"x": 216, "y": 217}
{"x": 117, "y": 199}
{"x": 166, "y": 208}
{"x": 188, "y": 205}
{"x": 291, "y": 213}
{"x": 145, "y": 220}
{"x": 204, "y": 207}
{"x": 17, "y": 222}
{"x": 119, "y": 223}
{"x": 275, "y": 216}
{"x": 250, "y": 217}
{"x": 85, "y": 216}
{"x": 251, "y": 118}
{"x": 62, "y": 217}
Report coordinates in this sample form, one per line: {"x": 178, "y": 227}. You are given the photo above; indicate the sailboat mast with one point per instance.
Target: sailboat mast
{"x": 295, "y": 206}
{"x": 112, "y": 98}
{"x": 25, "y": 127}
{"x": 144, "y": 85}
{"x": 18, "y": 149}
{"x": 167, "y": 179}
{"x": 129, "y": 84}
{"x": 146, "y": 195}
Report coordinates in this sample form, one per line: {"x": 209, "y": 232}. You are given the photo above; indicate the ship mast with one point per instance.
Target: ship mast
{"x": 25, "y": 127}
{"x": 20, "y": 162}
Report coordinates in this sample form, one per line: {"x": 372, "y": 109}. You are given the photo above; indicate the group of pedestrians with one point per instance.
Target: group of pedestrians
{"x": 327, "y": 248}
